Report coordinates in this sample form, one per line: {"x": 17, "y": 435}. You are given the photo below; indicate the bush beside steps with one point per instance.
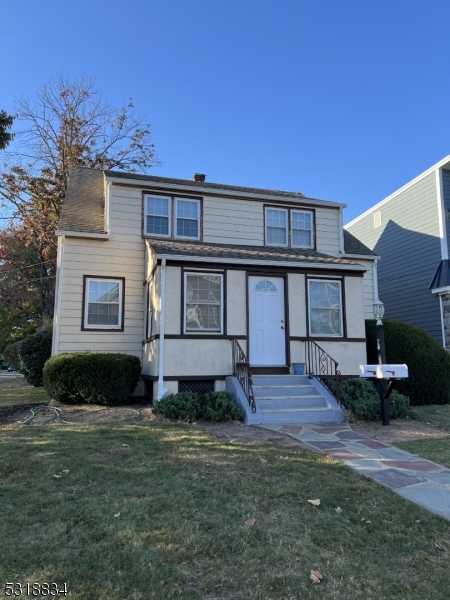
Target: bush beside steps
{"x": 364, "y": 404}
{"x": 91, "y": 377}
{"x": 188, "y": 406}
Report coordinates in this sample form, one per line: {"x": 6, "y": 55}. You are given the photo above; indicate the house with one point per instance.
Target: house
{"x": 410, "y": 231}
{"x": 173, "y": 270}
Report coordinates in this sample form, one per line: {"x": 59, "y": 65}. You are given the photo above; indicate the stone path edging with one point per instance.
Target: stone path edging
{"x": 409, "y": 475}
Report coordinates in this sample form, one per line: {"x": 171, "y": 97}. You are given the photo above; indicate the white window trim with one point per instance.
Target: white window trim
{"x": 341, "y": 316}
{"x": 267, "y": 243}
{"x": 201, "y": 332}
{"x": 87, "y": 325}
{"x": 186, "y": 237}
{"x": 309, "y": 212}
{"x": 146, "y": 214}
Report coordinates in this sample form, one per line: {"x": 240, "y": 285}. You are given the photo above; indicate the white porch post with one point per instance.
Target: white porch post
{"x": 161, "y": 389}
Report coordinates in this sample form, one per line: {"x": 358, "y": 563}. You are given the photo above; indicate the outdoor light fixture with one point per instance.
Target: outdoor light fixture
{"x": 378, "y": 311}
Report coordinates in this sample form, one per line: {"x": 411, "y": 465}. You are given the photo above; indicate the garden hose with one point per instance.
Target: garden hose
{"x": 36, "y": 419}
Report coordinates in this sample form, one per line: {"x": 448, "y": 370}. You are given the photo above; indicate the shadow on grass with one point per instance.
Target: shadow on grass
{"x": 159, "y": 511}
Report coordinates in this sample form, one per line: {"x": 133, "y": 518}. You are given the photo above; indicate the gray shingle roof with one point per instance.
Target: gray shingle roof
{"x": 353, "y": 246}
{"x": 206, "y": 185}
{"x": 227, "y": 251}
{"x": 84, "y": 204}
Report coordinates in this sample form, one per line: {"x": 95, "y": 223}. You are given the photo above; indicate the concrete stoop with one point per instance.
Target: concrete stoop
{"x": 287, "y": 399}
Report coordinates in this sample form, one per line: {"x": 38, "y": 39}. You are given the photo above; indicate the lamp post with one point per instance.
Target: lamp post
{"x": 381, "y": 385}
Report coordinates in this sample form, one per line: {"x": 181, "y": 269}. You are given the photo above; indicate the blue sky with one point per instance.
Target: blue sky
{"x": 341, "y": 100}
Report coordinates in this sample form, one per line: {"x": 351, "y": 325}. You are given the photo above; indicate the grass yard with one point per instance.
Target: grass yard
{"x": 437, "y": 450}
{"x": 16, "y": 391}
{"x": 433, "y": 413}
{"x": 159, "y": 510}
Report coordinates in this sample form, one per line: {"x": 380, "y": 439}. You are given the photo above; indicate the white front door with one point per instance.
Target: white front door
{"x": 267, "y": 343}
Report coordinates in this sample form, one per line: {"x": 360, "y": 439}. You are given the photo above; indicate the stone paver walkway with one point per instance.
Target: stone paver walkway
{"x": 410, "y": 476}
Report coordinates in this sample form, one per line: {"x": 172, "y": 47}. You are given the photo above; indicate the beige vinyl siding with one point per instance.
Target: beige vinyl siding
{"x": 233, "y": 222}
{"x": 327, "y": 231}
{"x": 228, "y": 221}
{"x": 120, "y": 256}
{"x": 368, "y": 287}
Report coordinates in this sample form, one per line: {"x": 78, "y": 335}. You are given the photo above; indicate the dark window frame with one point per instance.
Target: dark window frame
{"x": 289, "y": 209}
{"x": 172, "y": 216}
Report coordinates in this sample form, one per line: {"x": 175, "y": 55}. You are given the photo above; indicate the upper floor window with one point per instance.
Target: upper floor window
{"x": 157, "y": 215}
{"x": 187, "y": 218}
{"x": 302, "y": 228}
{"x": 289, "y": 227}
{"x": 276, "y": 226}
{"x": 167, "y": 216}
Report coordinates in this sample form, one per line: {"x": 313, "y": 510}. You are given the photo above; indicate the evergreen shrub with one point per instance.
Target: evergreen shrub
{"x": 364, "y": 402}
{"x": 188, "y": 406}
{"x": 91, "y": 377}
{"x": 428, "y": 362}
{"x": 34, "y": 350}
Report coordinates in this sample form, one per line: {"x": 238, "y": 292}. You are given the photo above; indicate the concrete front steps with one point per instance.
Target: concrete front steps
{"x": 287, "y": 399}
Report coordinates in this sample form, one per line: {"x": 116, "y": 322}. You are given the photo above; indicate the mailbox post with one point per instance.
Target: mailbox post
{"x": 382, "y": 375}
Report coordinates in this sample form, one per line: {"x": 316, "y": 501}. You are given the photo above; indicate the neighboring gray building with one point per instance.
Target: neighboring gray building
{"x": 410, "y": 231}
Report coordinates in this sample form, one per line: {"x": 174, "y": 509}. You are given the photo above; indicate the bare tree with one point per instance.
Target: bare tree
{"x": 67, "y": 124}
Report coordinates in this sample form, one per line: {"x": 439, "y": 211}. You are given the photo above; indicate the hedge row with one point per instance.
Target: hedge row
{"x": 188, "y": 406}
{"x": 428, "y": 362}
{"x": 91, "y": 377}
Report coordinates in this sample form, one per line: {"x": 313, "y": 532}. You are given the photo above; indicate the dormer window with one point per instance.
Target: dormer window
{"x": 187, "y": 218}
{"x": 157, "y": 215}
{"x": 302, "y": 229}
{"x": 172, "y": 217}
{"x": 289, "y": 227}
{"x": 276, "y": 226}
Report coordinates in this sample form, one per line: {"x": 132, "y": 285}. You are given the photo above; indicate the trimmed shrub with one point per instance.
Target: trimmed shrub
{"x": 220, "y": 406}
{"x": 188, "y": 406}
{"x": 364, "y": 403}
{"x": 11, "y": 355}
{"x": 34, "y": 350}
{"x": 428, "y": 362}
{"x": 92, "y": 377}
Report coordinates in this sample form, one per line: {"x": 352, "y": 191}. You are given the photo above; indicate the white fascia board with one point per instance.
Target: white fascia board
{"x": 265, "y": 263}
{"x": 441, "y": 215}
{"x": 361, "y": 256}
{"x": 231, "y": 193}
{"x": 445, "y": 289}
{"x": 441, "y": 164}
{"x": 84, "y": 234}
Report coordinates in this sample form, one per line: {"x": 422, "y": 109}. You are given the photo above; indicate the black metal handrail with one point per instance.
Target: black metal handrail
{"x": 241, "y": 370}
{"x": 325, "y": 368}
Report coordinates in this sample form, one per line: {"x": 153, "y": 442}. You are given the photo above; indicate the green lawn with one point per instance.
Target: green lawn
{"x": 436, "y": 450}
{"x": 433, "y": 413}
{"x": 164, "y": 517}
{"x": 21, "y": 395}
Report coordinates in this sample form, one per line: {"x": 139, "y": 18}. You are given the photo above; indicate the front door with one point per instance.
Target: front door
{"x": 267, "y": 343}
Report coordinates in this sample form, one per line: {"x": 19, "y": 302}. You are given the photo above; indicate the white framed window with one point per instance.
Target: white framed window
{"x": 325, "y": 307}
{"x": 302, "y": 228}
{"x": 157, "y": 215}
{"x": 187, "y": 218}
{"x": 103, "y": 303}
{"x": 203, "y": 303}
{"x": 276, "y": 226}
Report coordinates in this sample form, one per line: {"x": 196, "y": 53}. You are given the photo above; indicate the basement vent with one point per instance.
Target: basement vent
{"x": 377, "y": 219}
{"x": 198, "y": 386}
